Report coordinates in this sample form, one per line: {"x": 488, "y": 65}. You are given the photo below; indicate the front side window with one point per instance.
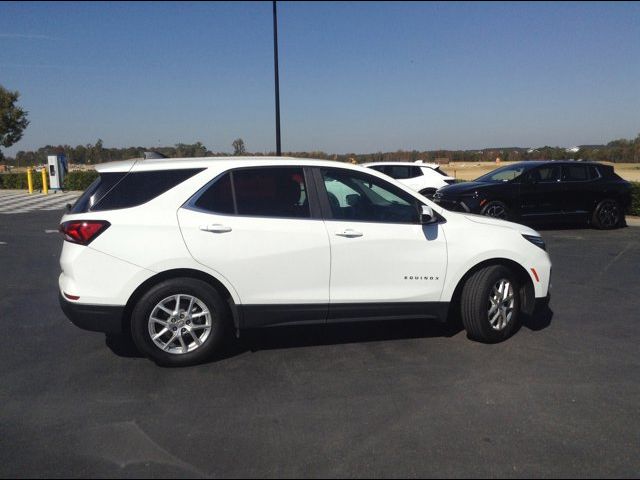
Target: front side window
{"x": 360, "y": 197}
{"x": 258, "y": 192}
{"x": 503, "y": 174}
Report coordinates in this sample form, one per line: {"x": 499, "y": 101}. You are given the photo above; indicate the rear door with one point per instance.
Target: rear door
{"x": 578, "y": 186}
{"x": 256, "y": 227}
{"x": 380, "y": 254}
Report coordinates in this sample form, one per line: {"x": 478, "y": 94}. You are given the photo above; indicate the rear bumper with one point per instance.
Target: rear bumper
{"x": 96, "y": 318}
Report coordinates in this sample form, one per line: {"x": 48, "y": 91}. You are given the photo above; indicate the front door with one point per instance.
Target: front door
{"x": 380, "y": 253}
{"x": 541, "y": 193}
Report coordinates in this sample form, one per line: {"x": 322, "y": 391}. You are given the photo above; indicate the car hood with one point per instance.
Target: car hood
{"x": 496, "y": 222}
{"x": 461, "y": 188}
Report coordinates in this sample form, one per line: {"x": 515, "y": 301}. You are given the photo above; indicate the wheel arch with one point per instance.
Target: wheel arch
{"x": 526, "y": 292}
{"x": 178, "y": 273}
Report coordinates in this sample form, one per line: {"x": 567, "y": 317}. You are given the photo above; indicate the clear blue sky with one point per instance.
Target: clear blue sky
{"x": 355, "y": 77}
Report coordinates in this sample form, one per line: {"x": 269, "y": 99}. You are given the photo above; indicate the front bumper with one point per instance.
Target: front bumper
{"x": 96, "y": 318}
{"x": 541, "y": 303}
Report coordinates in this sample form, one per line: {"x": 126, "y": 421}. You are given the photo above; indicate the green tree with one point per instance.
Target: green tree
{"x": 13, "y": 119}
{"x": 238, "y": 147}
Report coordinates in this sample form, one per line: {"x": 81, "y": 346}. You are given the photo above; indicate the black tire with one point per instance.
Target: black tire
{"x": 428, "y": 192}
{"x": 493, "y": 209}
{"x": 475, "y": 304}
{"x": 206, "y": 294}
{"x": 607, "y": 215}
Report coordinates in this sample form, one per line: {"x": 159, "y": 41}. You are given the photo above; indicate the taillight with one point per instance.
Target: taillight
{"x": 83, "y": 232}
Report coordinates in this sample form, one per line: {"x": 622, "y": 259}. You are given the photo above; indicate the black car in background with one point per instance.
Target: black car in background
{"x": 544, "y": 191}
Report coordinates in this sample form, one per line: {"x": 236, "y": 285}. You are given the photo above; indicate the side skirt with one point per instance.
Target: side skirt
{"x": 254, "y": 316}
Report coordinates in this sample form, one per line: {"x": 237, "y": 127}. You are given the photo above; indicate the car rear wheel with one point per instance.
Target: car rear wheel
{"x": 607, "y": 215}
{"x": 490, "y": 304}
{"x": 179, "y": 322}
{"x": 496, "y": 209}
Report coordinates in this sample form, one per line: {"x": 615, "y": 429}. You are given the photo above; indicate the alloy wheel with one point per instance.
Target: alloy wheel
{"x": 609, "y": 214}
{"x": 179, "y": 324}
{"x": 501, "y": 304}
{"x": 496, "y": 211}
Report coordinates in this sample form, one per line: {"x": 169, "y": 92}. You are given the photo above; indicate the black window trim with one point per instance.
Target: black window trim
{"x": 314, "y": 208}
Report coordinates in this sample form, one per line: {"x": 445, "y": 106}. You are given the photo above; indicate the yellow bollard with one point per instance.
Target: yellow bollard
{"x": 45, "y": 189}
{"x": 29, "y": 180}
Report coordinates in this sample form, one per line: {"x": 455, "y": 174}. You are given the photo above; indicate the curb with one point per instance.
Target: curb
{"x": 632, "y": 221}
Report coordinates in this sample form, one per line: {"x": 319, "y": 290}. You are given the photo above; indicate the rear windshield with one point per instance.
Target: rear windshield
{"x": 96, "y": 191}
{"x": 112, "y": 191}
{"x": 437, "y": 169}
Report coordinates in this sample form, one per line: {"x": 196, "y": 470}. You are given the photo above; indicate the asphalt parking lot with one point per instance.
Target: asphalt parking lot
{"x": 559, "y": 399}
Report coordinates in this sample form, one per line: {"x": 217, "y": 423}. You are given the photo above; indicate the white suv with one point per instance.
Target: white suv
{"x": 424, "y": 178}
{"x": 175, "y": 251}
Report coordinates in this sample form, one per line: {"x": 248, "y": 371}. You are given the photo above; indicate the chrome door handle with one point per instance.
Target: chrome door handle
{"x": 349, "y": 233}
{"x": 215, "y": 228}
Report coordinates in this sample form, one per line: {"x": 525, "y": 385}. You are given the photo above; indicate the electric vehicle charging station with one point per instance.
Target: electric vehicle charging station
{"x": 57, "y": 166}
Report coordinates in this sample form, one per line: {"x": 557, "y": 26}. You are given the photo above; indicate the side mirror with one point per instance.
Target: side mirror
{"x": 427, "y": 215}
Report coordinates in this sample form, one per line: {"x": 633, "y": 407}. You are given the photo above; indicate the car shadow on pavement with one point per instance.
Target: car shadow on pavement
{"x": 308, "y": 335}
{"x": 334, "y": 334}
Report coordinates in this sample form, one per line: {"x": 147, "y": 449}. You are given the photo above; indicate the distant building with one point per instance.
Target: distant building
{"x": 442, "y": 160}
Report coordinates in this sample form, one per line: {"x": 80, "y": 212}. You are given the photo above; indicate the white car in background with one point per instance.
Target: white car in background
{"x": 422, "y": 177}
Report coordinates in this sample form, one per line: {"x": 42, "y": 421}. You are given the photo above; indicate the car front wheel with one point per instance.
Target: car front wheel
{"x": 490, "y": 304}
{"x": 496, "y": 209}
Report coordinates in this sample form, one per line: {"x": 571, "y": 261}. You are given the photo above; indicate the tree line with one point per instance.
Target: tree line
{"x": 13, "y": 121}
{"x": 620, "y": 151}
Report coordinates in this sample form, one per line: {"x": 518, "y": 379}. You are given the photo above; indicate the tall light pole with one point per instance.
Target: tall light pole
{"x": 277, "y": 79}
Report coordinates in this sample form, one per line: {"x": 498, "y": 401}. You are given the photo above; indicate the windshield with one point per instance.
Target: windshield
{"x": 502, "y": 174}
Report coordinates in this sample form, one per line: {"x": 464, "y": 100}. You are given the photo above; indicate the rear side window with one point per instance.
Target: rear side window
{"x": 400, "y": 172}
{"x": 271, "y": 192}
{"x": 546, "y": 174}
{"x": 574, "y": 173}
{"x": 258, "y": 192}
{"x": 218, "y": 198}
{"x": 594, "y": 173}
{"x": 140, "y": 187}
{"x": 96, "y": 191}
